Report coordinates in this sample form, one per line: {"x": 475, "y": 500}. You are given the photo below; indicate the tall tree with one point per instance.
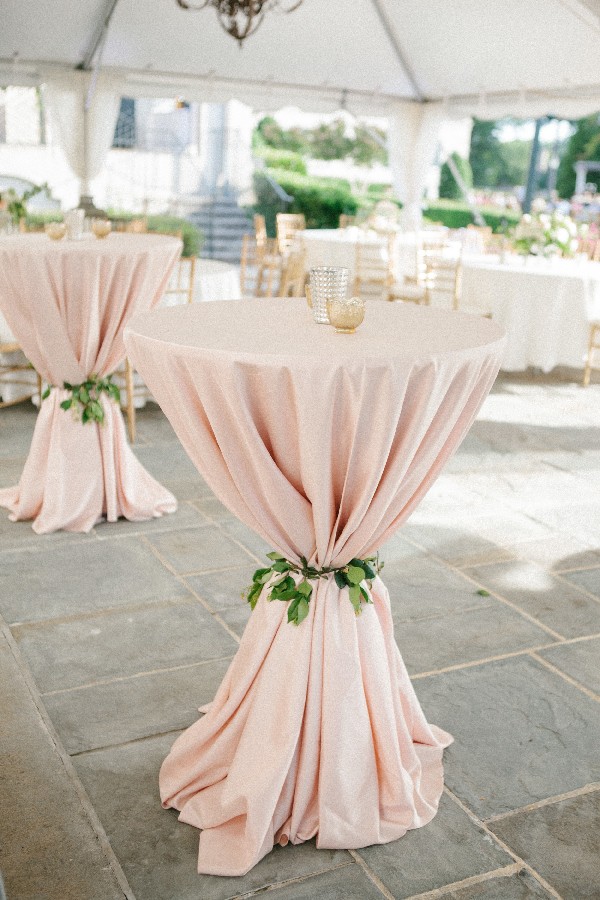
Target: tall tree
{"x": 584, "y": 143}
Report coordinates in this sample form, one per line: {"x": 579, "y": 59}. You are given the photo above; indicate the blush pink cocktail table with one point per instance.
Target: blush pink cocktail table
{"x": 323, "y": 444}
{"x": 67, "y": 304}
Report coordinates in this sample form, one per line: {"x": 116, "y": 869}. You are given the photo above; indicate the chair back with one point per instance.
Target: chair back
{"x": 293, "y": 277}
{"x": 345, "y": 221}
{"x": 260, "y": 266}
{"x": 443, "y": 278}
{"x": 288, "y": 226}
{"x": 260, "y": 230}
{"x": 374, "y": 266}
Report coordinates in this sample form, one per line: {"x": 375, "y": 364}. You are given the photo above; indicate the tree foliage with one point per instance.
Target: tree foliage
{"x": 496, "y": 163}
{"x": 448, "y": 185}
{"x": 364, "y": 145}
{"x": 584, "y": 143}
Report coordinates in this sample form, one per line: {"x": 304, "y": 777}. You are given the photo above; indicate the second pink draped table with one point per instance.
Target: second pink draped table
{"x": 323, "y": 444}
{"x": 67, "y": 304}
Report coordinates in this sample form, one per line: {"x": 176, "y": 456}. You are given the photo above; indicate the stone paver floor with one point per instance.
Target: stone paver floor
{"x": 110, "y": 642}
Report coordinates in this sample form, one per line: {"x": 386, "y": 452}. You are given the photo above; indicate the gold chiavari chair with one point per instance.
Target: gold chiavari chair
{"x": 593, "y": 351}
{"x": 375, "y": 273}
{"x": 12, "y": 372}
{"x": 443, "y": 278}
{"x": 346, "y": 221}
{"x": 591, "y": 248}
{"x": 293, "y": 278}
{"x": 288, "y": 226}
{"x": 260, "y": 230}
{"x": 260, "y": 267}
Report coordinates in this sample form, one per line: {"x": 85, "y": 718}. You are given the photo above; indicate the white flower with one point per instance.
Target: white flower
{"x": 561, "y": 235}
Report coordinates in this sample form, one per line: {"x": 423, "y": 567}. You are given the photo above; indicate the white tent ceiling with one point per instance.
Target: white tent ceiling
{"x": 525, "y": 57}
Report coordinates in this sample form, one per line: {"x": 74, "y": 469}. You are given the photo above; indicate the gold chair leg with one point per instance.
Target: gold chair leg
{"x": 588, "y": 363}
{"x": 130, "y": 406}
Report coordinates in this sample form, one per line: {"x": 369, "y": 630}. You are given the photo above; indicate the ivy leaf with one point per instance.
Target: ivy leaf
{"x": 259, "y": 574}
{"x": 288, "y": 595}
{"x": 355, "y": 595}
{"x": 66, "y": 404}
{"x": 369, "y": 572}
{"x": 274, "y": 556}
{"x": 302, "y": 611}
{"x": 304, "y": 588}
{"x": 483, "y": 593}
{"x": 84, "y": 395}
{"x": 46, "y": 393}
{"x": 365, "y": 595}
{"x": 339, "y": 579}
{"x": 292, "y": 613}
{"x": 355, "y": 574}
{"x": 281, "y": 566}
{"x": 67, "y": 386}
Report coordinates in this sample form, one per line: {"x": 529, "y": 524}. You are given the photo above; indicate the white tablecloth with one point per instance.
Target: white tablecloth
{"x": 216, "y": 280}
{"x": 337, "y": 247}
{"x": 544, "y": 305}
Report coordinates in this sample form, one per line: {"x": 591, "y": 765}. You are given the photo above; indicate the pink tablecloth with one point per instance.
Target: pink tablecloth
{"x": 67, "y": 304}
{"x": 323, "y": 444}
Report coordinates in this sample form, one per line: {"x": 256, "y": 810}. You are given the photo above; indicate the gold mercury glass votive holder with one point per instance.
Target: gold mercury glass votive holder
{"x": 346, "y": 314}
{"x": 55, "y": 230}
{"x": 101, "y": 227}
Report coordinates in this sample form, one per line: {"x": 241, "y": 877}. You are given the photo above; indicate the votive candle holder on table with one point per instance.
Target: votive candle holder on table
{"x": 346, "y": 314}
{"x": 327, "y": 283}
{"x": 101, "y": 227}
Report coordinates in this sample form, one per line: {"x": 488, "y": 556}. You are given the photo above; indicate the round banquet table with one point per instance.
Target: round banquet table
{"x": 545, "y": 306}
{"x": 216, "y": 280}
{"x": 323, "y": 444}
{"x": 337, "y": 246}
{"x": 67, "y": 303}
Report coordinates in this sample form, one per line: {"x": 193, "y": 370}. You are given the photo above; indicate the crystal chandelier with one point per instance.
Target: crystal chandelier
{"x": 241, "y": 18}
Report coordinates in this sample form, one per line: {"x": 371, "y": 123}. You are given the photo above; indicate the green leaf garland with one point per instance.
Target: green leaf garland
{"x": 85, "y": 397}
{"x": 283, "y": 586}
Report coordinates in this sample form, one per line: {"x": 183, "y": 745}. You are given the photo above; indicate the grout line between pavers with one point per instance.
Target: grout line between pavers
{"x": 180, "y": 579}
{"x": 565, "y": 581}
{"x": 547, "y": 801}
{"x": 69, "y": 768}
{"x": 275, "y": 885}
{"x": 509, "y": 603}
{"x": 131, "y": 743}
{"x": 371, "y": 874}
{"x": 103, "y": 611}
{"x": 504, "y": 846}
{"x": 527, "y": 651}
{"x": 145, "y": 674}
{"x": 576, "y": 569}
{"x": 503, "y": 872}
{"x": 572, "y": 681}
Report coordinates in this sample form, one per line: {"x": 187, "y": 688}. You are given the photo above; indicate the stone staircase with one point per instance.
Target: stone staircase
{"x": 223, "y": 223}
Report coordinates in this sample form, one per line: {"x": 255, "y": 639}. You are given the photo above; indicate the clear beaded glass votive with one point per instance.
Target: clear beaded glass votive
{"x": 346, "y": 314}
{"x": 327, "y": 283}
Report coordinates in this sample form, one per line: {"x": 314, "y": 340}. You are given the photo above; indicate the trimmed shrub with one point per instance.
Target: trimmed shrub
{"x": 191, "y": 235}
{"x": 448, "y": 186}
{"x": 321, "y": 200}
{"x": 458, "y": 215}
{"x": 283, "y": 159}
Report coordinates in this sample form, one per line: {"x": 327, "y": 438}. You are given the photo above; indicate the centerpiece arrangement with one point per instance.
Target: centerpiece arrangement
{"x": 547, "y": 235}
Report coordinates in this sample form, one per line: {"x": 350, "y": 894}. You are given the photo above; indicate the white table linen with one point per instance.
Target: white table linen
{"x": 545, "y": 306}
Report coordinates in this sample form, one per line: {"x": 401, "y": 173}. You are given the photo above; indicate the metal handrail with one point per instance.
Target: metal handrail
{"x": 282, "y": 195}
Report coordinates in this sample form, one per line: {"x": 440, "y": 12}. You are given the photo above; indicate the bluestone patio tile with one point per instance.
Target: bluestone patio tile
{"x": 158, "y": 853}
{"x": 521, "y": 733}
{"x": 580, "y": 660}
{"x": 200, "y": 549}
{"x": 562, "y": 842}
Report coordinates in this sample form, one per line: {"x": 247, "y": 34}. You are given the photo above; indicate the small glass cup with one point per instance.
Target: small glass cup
{"x": 55, "y": 230}
{"x": 74, "y": 220}
{"x": 101, "y": 227}
{"x": 346, "y": 314}
{"x": 327, "y": 283}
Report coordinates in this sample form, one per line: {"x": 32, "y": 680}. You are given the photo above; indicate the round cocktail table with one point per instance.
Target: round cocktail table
{"x": 323, "y": 444}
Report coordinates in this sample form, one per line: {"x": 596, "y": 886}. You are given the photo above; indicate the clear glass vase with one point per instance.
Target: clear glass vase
{"x": 327, "y": 283}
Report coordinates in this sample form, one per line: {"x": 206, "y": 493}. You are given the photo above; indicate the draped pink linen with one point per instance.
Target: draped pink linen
{"x": 67, "y": 304}
{"x": 323, "y": 444}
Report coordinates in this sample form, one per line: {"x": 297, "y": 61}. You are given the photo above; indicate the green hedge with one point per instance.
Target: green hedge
{"x": 283, "y": 159}
{"x": 191, "y": 235}
{"x": 458, "y": 215}
{"x": 448, "y": 185}
{"x": 321, "y": 200}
